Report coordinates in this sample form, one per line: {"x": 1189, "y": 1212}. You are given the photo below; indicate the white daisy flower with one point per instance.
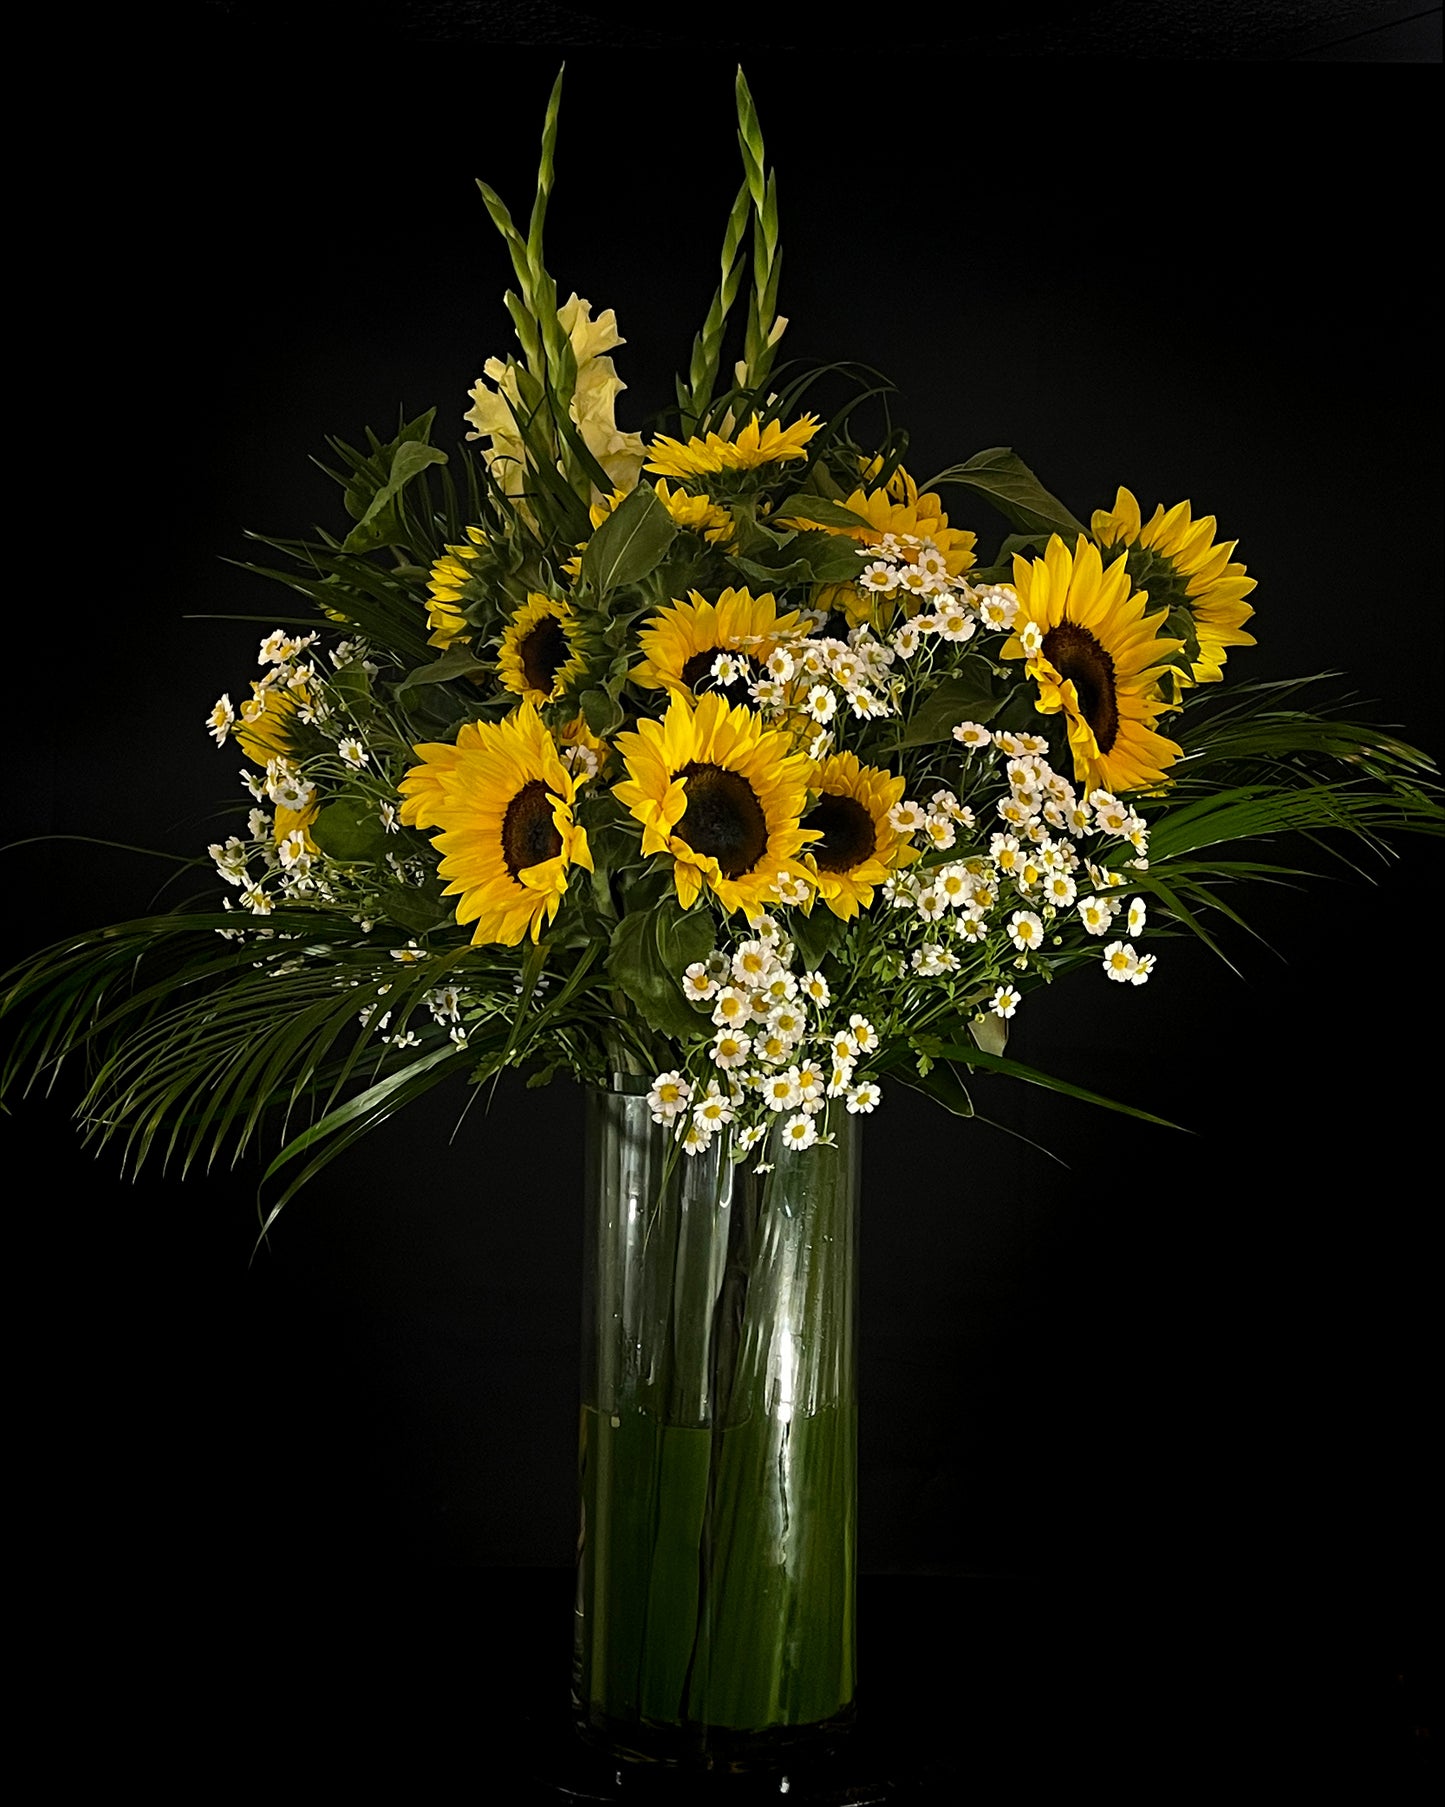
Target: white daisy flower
{"x": 800, "y": 1131}
{"x": 698, "y": 983}
{"x": 1060, "y": 889}
{"x": 751, "y": 1136}
{"x": 930, "y": 903}
{"x": 1005, "y": 1001}
{"x": 972, "y": 736}
{"x": 864, "y": 1034}
{"x": 730, "y": 1049}
{"x": 669, "y": 1096}
{"x": 714, "y": 1110}
{"x": 221, "y": 720}
{"x": 879, "y": 576}
{"x": 1142, "y": 970}
{"x": 1120, "y": 962}
{"x": 732, "y": 1007}
{"x": 906, "y": 817}
{"x": 864, "y": 1099}
{"x": 940, "y": 832}
{"x": 821, "y": 703}
{"x": 998, "y": 606}
{"x": 955, "y": 624}
{"x": 1136, "y": 916}
{"x": 815, "y": 989}
{"x": 696, "y": 1137}
{"x": 906, "y": 640}
{"x": 1025, "y": 930}
{"x": 841, "y": 1077}
{"x": 781, "y": 1091}
{"x": 352, "y": 751}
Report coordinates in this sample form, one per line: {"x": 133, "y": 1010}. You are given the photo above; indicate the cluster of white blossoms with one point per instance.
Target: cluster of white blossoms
{"x": 277, "y": 860}
{"x": 778, "y": 1055}
{"x": 1015, "y": 892}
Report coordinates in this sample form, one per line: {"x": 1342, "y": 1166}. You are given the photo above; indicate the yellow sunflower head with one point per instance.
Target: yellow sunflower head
{"x": 449, "y": 586}
{"x": 897, "y": 509}
{"x": 1176, "y": 559}
{"x": 502, "y": 799}
{"x": 1097, "y": 657}
{"x": 680, "y": 644}
{"x": 747, "y": 449}
{"x": 541, "y": 659}
{"x": 721, "y": 796}
{"x": 267, "y": 725}
{"x": 695, "y": 514}
{"x": 857, "y": 846}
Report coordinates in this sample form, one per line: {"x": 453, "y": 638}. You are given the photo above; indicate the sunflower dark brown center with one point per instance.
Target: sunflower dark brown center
{"x": 529, "y": 834}
{"x": 697, "y": 674}
{"x": 849, "y": 836}
{"x": 1075, "y": 653}
{"x": 723, "y": 818}
{"x": 543, "y": 650}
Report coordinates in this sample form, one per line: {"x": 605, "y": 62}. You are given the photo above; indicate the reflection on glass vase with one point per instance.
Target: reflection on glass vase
{"x": 715, "y": 1588}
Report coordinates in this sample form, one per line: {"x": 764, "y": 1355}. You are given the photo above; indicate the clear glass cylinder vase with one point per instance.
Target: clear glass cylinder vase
{"x": 718, "y": 1449}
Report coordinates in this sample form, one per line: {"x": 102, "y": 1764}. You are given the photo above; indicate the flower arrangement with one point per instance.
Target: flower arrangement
{"x": 725, "y": 757}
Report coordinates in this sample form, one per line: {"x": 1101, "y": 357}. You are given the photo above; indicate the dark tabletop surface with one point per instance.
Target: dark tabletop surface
{"x": 454, "y": 1684}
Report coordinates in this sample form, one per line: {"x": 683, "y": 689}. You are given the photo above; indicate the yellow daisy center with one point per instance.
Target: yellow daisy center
{"x": 1077, "y": 655}
{"x": 848, "y": 831}
{"x": 723, "y": 819}
{"x": 529, "y": 835}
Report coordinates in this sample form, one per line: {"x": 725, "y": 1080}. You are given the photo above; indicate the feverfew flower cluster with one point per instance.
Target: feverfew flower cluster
{"x": 303, "y": 728}
{"x": 780, "y": 1051}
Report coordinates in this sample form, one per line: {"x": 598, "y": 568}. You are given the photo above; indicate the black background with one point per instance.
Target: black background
{"x": 1184, "y": 1371}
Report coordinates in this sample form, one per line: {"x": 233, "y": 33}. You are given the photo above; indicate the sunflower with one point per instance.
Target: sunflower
{"x": 680, "y": 644}
{"x": 503, "y": 801}
{"x": 267, "y": 726}
{"x": 898, "y": 509}
{"x": 540, "y": 656}
{"x": 1177, "y": 559}
{"x": 754, "y": 445}
{"x": 859, "y": 846}
{"x": 448, "y": 585}
{"x": 1095, "y": 655}
{"x": 721, "y": 794}
{"x": 697, "y": 514}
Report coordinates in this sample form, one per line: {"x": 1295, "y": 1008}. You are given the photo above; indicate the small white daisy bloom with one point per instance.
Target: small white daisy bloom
{"x": 698, "y": 983}
{"x": 1025, "y": 930}
{"x": 732, "y": 1007}
{"x": 815, "y": 989}
{"x": 800, "y": 1131}
{"x": 669, "y": 1095}
{"x": 1137, "y": 915}
{"x": 730, "y": 1049}
{"x": 906, "y": 817}
{"x": 864, "y": 1034}
{"x": 864, "y": 1099}
{"x": 1005, "y": 1001}
{"x": 221, "y": 720}
{"x": 1120, "y": 962}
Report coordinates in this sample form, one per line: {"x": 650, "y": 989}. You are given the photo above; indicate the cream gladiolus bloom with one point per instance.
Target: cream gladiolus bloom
{"x": 592, "y": 406}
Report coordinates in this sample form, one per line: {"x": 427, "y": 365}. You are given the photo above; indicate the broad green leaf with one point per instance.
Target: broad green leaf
{"x": 816, "y": 934}
{"x": 455, "y": 662}
{"x": 349, "y": 829}
{"x": 637, "y": 966}
{"x": 1002, "y": 478}
{"x": 601, "y": 711}
{"x": 413, "y": 909}
{"x": 629, "y": 543}
{"x": 409, "y": 459}
{"x": 808, "y": 507}
{"x": 990, "y": 1032}
{"x": 965, "y": 696}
